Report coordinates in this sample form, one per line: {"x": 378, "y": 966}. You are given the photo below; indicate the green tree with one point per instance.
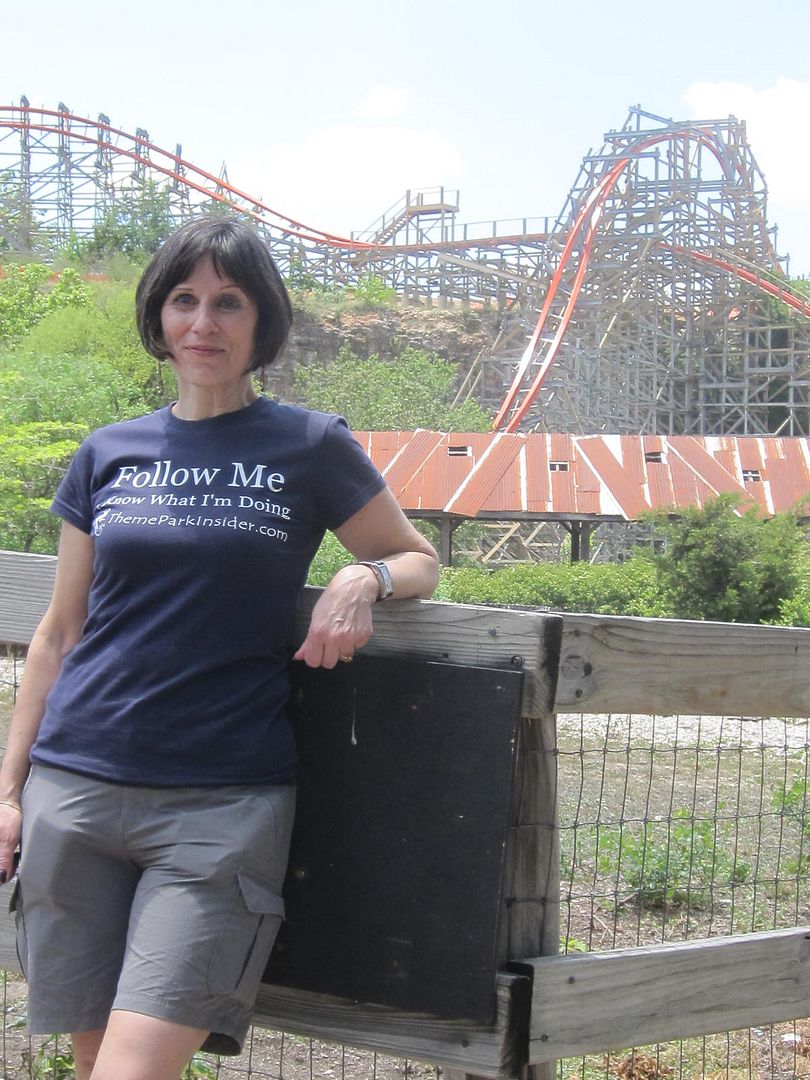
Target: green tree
{"x": 722, "y": 564}
{"x": 48, "y": 405}
{"x": 33, "y": 458}
{"x": 30, "y": 292}
{"x": 102, "y": 329}
{"x": 413, "y": 390}
{"x": 135, "y": 226}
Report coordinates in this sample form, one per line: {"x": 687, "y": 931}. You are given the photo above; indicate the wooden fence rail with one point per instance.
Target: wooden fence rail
{"x": 550, "y": 1006}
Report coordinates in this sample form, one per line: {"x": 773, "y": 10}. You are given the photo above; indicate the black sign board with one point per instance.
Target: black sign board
{"x": 394, "y": 886}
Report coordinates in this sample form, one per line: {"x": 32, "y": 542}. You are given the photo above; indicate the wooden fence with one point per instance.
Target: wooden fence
{"x": 551, "y": 1006}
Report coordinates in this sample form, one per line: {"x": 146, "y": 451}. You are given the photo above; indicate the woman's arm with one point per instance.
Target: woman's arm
{"x": 59, "y": 631}
{"x": 341, "y": 619}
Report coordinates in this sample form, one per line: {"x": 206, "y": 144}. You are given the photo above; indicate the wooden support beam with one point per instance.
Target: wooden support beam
{"x": 445, "y": 540}
{"x": 463, "y": 634}
{"x": 491, "y": 1051}
{"x": 614, "y": 664}
{"x": 417, "y": 629}
{"x": 632, "y": 997}
{"x": 530, "y": 921}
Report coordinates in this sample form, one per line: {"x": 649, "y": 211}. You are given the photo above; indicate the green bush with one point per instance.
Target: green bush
{"x": 30, "y": 292}
{"x": 413, "y": 390}
{"x": 103, "y": 330}
{"x": 48, "y": 404}
{"x": 329, "y": 558}
{"x": 794, "y": 610}
{"x": 717, "y": 564}
{"x": 628, "y": 588}
{"x": 729, "y": 566}
{"x": 371, "y": 291}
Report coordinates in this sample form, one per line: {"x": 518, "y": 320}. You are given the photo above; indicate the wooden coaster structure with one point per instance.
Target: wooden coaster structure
{"x": 654, "y": 302}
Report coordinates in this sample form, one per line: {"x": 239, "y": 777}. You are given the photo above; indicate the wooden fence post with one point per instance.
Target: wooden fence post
{"x": 530, "y": 922}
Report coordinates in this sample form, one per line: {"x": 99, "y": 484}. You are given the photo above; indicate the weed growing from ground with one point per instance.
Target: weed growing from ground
{"x": 676, "y": 862}
{"x": 791, "y": 801}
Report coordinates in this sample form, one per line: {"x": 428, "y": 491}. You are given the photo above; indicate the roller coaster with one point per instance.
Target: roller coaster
{"x": 655, "y": 301}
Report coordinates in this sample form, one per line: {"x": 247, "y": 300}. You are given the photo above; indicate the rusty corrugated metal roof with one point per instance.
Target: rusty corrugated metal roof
{"x": 617, "y": 477}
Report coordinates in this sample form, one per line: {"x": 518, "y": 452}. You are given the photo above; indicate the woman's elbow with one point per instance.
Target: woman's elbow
{"x": 431, "y": 572}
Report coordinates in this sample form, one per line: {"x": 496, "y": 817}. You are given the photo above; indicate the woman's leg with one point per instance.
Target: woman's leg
{"x": 137, "y": 1047}
{"x": 85, "y": 1051}
{"x": 75, "y": 889}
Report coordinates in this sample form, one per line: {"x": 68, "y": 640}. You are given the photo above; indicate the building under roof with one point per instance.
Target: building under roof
{"x": 582, "y": 481}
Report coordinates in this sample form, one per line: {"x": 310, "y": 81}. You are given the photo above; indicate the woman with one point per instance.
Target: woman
{"x": 156, "y": 815}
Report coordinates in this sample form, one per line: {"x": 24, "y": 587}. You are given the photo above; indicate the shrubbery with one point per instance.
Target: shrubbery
{"x": 71, "y": 362}
{"x": 628, "y": 588}
{"x": 716, "y": 564}
{"x": 29, "y": 292}
{"x": 730, "y": 565}
{"x": 415, "y": 389}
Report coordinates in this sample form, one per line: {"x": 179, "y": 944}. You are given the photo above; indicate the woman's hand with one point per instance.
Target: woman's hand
{"x": 341, "y": 619}
{"x": 10, "y": 829}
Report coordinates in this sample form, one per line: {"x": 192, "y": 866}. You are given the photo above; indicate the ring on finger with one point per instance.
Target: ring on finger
{"x": 346, "y": 658}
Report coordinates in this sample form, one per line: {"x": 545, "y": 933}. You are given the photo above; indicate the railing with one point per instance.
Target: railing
{"x": 442, "y": 205}
{"x": 682, "y": 830}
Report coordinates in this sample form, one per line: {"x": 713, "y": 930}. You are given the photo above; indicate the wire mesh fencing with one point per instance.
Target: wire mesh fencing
{"x": 671, "y": 828}
{"x": 681, "y": 827}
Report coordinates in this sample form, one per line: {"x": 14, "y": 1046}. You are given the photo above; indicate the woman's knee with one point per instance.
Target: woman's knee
{"x": 138, "y": 1047}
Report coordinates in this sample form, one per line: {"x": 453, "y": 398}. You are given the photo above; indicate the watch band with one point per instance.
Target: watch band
{"x": 383, "y": 576}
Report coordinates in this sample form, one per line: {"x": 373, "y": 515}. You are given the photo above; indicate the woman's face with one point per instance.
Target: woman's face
{"x": 208, "y": 324}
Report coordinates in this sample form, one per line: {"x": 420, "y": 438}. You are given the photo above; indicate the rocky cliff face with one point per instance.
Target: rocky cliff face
{"x": 454, "y": 334}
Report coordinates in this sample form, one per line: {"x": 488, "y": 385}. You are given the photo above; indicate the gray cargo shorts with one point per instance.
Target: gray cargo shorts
{"x": 160, "y": 901}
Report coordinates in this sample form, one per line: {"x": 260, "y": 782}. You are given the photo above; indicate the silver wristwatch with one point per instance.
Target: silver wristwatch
{"x": 383, "y": 576}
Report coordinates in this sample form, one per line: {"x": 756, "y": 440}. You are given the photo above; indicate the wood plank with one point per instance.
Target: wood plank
{"x": 465, "y": 634}
{"x": 614, "y": 664}
{"x": 489, "y": 1051}
{"x": 26, "y": 583}
{"x": 609, "y": 663}
{"x": 530, "y": 920}
{"x": 413, "y": 629}
{"x": 633, "y": 997}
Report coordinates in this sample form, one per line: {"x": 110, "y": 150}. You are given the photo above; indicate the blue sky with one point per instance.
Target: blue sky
{"x": 331, "y": 111}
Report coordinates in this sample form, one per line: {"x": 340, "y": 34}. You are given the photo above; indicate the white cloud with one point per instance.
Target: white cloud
{"x": 343, "y": 177}
{"x": 384, "y": 103}
{"x": 776, "y": 122}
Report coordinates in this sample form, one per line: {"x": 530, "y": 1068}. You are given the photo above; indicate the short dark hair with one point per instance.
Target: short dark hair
{"x": 239, "y": 254}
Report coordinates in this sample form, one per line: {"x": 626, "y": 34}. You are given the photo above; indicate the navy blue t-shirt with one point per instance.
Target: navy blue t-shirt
{"x": 204, "y": 531}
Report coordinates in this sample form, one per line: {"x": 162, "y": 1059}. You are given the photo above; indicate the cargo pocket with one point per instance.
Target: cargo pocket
{"x": 15, "y": 907}
{"x": 242, "y": 952}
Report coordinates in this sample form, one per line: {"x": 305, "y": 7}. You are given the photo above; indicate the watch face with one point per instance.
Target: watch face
{"x": 383, "y": 576}
{"x": 386, "y": 584}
